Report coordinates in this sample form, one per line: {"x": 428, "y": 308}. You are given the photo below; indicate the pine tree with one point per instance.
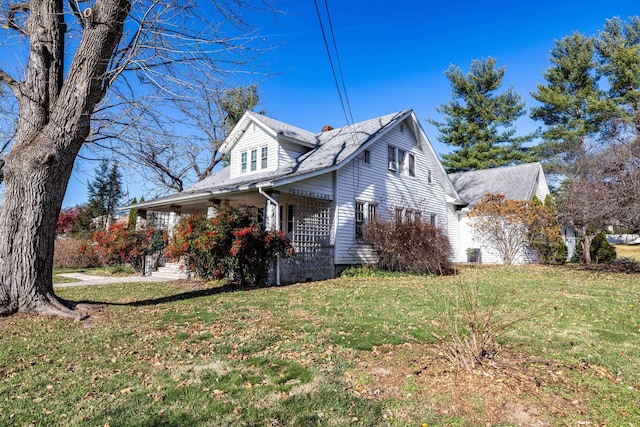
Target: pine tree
{"x": 480, "y": 122}
{"x": 572, "y": 106}
{"x": 619, "y": 48}
{"x": 133, "y": 215}
{"x": 105, "y": 193}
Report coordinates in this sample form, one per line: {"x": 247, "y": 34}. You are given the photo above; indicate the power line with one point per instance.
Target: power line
{"x": 348, "y": 116}
{"x": 335, "y": 47}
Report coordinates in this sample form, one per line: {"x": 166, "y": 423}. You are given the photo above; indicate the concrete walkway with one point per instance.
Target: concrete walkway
{"x": 88, "y": 280}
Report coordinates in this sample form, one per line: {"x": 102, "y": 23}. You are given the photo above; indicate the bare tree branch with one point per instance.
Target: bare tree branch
{"x": 10, "y": 82}
{"x": 12, "y": 16}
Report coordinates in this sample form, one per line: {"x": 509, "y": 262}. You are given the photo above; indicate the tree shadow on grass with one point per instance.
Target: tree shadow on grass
{"x": 189, "y": 295}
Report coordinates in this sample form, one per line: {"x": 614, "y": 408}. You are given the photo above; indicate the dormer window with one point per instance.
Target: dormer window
{"x": 249, "y": 160}
{"x": 243, "y": 162}
{"x": 254, "y": 159}
{"x": 264, "y": 157}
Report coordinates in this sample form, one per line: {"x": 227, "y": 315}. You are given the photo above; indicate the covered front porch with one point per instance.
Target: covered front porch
{"x": 305, "y": 218}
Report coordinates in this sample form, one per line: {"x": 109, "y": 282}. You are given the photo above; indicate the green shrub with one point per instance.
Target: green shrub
{"x": 601, "y": 250}
{"x": 231, "y": 245}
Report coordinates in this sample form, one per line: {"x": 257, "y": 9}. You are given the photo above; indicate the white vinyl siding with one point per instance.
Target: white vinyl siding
{"x": 289, "y": 152}
{"x": 321, "y": 184}
{"x": 374, "y": 184}
{"x": 253, "y": 142}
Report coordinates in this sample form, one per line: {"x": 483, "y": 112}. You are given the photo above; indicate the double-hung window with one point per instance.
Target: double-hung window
{"x": 365, "y": 213}
{"x": 411, "y": 165}
{"x": 243, "y": 162}
{"x": 254, "y": 159}
{"x": 264, "y": 157}
{"x": 401, "y": 161}
{"x": 359, "y": 220}
{"x": 392, "y": 157}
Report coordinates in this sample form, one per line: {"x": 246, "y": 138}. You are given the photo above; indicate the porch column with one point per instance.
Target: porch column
{"x": 272, "y": 212}
{"x": 174, "y": 216}
{"x": 141, "y": 219}
{"x": 212, "y": 208}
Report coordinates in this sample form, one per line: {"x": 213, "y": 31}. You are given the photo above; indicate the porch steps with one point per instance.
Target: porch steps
{"x": 171, "y": 270}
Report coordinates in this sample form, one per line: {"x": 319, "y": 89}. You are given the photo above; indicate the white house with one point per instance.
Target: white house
{"x": 323, "y": 188}
{"x": 520, "y": 182}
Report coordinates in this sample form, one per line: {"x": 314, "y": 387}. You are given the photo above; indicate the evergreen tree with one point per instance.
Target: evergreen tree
{"x": 480, "y": 122}
{"x": 619, "y": 48}
{"x": 105, "y": 193}
{"x": 133, "y": 214}
{"x": 235, "y": 102}
{"x": 572, "y": 106}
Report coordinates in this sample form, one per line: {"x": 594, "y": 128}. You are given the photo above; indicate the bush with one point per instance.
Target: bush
{"x": 123, "y": 245}
{"x": 71, "y": 253}
{"x": 545, "y": 232}
{"x": 412, "y": 248}
{"x": 602, "y": 252}
{"x": 231, "y": 245}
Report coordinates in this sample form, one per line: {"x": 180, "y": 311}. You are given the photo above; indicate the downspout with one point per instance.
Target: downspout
{"x": 277, "y": 228}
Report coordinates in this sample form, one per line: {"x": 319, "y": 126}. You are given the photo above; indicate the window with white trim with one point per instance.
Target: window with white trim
{"x": 411, "y": 165}
{"x": 243, "y": 162}
{"x": 407, "y": 216}
{"x": 365, "y": 213}
{"x": 401, "y": 161}
{"x": 264, "y": 157}
{"x": 367, "y": 157}
{"x": 373, "y": 212}
{"x": 254, "y": 159}
{"x": 392, "y": 158}
{"x": 359, "y": 220}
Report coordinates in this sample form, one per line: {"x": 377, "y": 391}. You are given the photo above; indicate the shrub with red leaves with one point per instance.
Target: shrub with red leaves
{"x": 122, "y": 245}
{"x": 231, "y": 245}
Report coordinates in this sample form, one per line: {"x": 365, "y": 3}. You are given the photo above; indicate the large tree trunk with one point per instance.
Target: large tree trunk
{"x": 36, "y": 179}
{"x": 54, "y": 122}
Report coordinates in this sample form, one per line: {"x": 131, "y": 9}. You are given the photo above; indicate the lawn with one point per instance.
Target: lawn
{"x": 628, "y": 251}
{"x": 349, "y": 351}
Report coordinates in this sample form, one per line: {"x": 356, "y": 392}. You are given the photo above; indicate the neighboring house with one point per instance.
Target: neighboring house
{"x": 323, "y": 188}
{"x": 520, "y": 182}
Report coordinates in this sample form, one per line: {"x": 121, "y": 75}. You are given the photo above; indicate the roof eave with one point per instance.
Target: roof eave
{"x": 285, "y": 138}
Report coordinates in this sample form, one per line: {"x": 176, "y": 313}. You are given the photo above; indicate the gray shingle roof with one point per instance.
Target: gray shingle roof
{"x": 515, "y": 182}
{"x": 286, "y": 129}
{"x": 332, "y": 148}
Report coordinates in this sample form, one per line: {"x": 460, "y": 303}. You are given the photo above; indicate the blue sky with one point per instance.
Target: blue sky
{"x": 394, "y": 56}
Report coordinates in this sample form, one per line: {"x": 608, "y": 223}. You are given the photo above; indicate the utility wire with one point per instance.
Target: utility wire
{"x": 335, "y": 48}
{"x": 348, "y": 117}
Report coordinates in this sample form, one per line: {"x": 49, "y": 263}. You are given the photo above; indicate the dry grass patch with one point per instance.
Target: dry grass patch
{"x": 628, "y": 251}
{"x": 417, "y": 383}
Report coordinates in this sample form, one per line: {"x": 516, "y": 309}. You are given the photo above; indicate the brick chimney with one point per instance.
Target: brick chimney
{"x": 327, "y": 128}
